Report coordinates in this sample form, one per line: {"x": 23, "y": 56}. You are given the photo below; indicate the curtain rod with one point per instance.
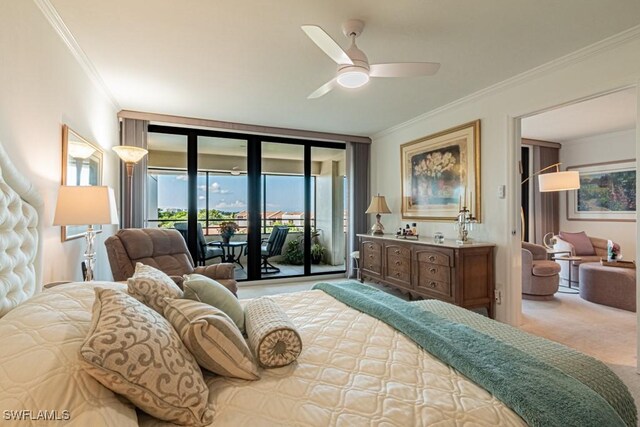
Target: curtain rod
{"x": 240, "y": 127}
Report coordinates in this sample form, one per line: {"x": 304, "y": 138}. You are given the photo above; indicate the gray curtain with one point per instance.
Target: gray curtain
{"x": 358, "y": 159}
{"x": 134, "y": 132}
{"x": 546, "y": 206}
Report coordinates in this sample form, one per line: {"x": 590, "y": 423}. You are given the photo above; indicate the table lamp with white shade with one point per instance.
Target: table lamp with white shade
{"x": 378, "y": 206}
{"x": 86, "y": 205}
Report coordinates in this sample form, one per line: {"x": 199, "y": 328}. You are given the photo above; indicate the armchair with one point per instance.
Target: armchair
{"x": 540, "y": 277}
{"x": 206, "y": 250}
{"x": 589, "y": 249}
{"x": 164, "y": 249}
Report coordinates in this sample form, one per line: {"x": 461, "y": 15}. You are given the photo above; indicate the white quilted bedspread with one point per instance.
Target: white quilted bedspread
{"x": 353, "y": 371}
{"x": 39, "y": 364}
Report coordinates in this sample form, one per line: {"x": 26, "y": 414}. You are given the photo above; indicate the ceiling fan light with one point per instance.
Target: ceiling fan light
{"x": 353, "y": 79}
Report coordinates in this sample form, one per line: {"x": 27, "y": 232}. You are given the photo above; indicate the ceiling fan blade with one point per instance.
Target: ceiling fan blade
{"x": 323, "y": 90}
{"x": 327, "y": 44}
{"x": 404, "y": 69}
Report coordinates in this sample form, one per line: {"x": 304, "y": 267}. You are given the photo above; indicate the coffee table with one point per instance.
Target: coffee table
{"x": 569, "y": 260}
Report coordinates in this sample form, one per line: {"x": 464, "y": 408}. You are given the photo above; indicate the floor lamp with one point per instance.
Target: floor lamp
{"x": 552, "y": 181}
{"x": 130, "y": 155}
{"x": 86, "y": 205}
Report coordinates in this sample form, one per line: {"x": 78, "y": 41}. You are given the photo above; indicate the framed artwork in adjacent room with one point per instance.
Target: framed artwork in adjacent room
{"x": 440, "y": 173}
{"x": 607, "y": 192}
{"x": 81, "y": 165}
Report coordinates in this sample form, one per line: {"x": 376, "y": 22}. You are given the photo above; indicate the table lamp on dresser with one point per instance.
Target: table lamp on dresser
{"x": 378, "y": 206}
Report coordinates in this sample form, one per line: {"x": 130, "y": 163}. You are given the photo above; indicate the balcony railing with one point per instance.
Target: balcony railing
{"x": 211, "y": 226}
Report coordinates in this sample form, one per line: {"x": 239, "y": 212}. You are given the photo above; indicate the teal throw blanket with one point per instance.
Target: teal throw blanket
{"x": 537, "y": 391}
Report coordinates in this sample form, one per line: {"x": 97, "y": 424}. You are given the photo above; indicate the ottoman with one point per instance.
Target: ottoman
{"x": 612, "y": 286}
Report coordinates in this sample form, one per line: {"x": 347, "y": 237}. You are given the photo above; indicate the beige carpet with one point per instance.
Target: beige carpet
{"x": 606, "y": 333}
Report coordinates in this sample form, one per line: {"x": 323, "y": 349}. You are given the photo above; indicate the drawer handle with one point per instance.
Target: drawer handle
{"x": 370, "y": 266}
{"x": 398, "y": 263}
{"x": 397, "y": 274}
{"x": 371, "y": 247}
{"x": 432, "y": 258}
{"x": 397, "y": 251}
{"x": 433, "y": 270}
{"x": 370, "y": 255}
{"x": 433, "y": 284}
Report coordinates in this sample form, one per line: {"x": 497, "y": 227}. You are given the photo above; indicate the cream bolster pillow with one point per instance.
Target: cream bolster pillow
{"x": 135, "y": 352}
{"x": 212, "y": 337}
{"x": 272, "y": 336}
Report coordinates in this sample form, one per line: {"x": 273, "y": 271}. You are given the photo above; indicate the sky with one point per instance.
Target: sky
{"x": 229, "y": 193}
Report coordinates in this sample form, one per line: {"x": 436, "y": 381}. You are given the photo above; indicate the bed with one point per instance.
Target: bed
{"x": 356, "y": 367}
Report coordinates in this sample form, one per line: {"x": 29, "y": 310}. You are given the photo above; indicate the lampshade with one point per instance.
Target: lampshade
{"x": 378, "y": 205}
{"x": 80, "y": 150}
{"x": 559, "y": 181}
{"x": 130, "y": 154}
{"x": 85, "y": 205}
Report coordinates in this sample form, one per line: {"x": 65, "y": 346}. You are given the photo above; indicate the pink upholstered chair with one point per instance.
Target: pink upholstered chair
{"x": 540, "y": 277}
{"x": 164, "y": 249}
{"x": 589, "y": 249}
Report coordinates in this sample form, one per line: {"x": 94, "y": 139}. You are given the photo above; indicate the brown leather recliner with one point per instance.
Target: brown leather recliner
{"x": 164, "y": 249}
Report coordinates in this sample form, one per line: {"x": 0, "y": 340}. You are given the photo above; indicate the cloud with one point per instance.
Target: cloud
{"x": 201, "y": 197}
{"x": 216, "y": 188}
{"x": 182, "y": 177}
{"x": 202, "y": 187}
{"x": 238, "y": 204}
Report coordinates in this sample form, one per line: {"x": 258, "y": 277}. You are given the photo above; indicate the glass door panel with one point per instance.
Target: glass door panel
{"x": 282, "y": 210}
{"x": 328, "y": 242}
{"x": 222, "y": 192}
{"x": 167, "y": 182}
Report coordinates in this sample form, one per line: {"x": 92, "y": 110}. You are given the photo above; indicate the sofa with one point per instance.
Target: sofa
{"x": 588, "y": 249}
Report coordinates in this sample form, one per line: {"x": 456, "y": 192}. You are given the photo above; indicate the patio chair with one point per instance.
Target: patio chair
{"x": 206, "y": 250}
{"x": 272, "y": 247}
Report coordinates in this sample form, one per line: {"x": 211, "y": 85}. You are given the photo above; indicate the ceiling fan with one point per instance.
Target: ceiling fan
{"x": 353, "y": 65}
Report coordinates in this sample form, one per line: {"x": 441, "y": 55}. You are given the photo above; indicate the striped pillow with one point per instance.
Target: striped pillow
{"x": 212, "y": 337}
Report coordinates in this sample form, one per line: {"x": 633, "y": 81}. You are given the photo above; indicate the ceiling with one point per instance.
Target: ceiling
{"x": 609, "y": 113}
{"x": 249, "y": 61}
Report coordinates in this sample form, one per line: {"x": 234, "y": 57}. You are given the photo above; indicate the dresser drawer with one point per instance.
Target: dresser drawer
{"x": 433, "y": 257}
{"x": 397, "y": 251}
{"x": 371, "y": 257}
{"x": 435, "y": 287}
{"x": 400, "y": 275}
{"x": 398, "y": 263}
{"x": 440, "y": 273}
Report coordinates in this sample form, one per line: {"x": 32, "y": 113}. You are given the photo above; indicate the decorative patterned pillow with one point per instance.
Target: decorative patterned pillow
{"x": 272, "y": 336}
{"x": 151, "y": 286}
{"x": 135, "y": 352}
{"x": 204, "y": 289}
{"x": 212, "y": 337}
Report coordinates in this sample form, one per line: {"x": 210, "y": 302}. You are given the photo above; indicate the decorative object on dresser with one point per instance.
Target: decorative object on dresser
{"x": 438, "y": 170}
{"x": 130, "y": 155}
{"x": 378, "y": 206}
{"x": 86, "y": 205}
{"x": 81, "y": 166}
{"x": 607, "y": 192}
{"x": 464, "y": 224}
{"x": 458, "y": 274}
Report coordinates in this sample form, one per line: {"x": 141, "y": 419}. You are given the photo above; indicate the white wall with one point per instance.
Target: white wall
{"x": 597, "y": 149}
{"x": 610, "y": 65}
{"x": 43, "y": 87}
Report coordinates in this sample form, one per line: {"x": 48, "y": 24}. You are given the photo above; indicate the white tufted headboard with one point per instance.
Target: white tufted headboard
{"x": 20, "y": 236}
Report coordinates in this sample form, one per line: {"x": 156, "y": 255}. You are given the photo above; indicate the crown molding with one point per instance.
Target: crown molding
{"x": 49, "y": 11}
{"x": 546, "y": 68}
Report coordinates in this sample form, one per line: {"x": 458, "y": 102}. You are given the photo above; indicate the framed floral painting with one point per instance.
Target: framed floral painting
{"x": 441, "y": 174}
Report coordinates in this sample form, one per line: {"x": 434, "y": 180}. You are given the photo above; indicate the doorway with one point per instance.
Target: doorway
{"x": 597, "y": 138}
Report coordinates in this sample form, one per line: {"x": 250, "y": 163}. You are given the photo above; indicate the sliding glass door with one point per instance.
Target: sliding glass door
{"x": 274, "y": 207}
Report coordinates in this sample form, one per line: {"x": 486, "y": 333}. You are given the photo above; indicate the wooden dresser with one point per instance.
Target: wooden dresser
{"x": 459, "y": 274}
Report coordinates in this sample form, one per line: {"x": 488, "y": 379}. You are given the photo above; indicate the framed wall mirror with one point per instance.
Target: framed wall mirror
{"x": 81, "y": 165}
